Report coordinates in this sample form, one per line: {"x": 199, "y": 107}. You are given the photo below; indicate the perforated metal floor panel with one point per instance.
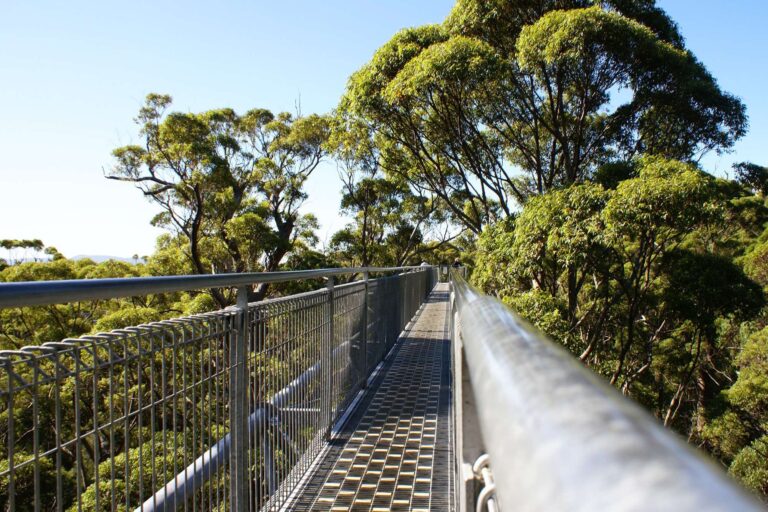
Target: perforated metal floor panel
{"x": 396, "y": 453}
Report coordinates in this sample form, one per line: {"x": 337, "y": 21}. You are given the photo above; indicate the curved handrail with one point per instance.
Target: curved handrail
{"x": 560, "y": 438}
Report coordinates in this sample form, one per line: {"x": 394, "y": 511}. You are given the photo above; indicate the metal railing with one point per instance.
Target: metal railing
{"x": 558, "y": 437}
{"x": 218, "y": 411}
{"x": 444, "y": 272}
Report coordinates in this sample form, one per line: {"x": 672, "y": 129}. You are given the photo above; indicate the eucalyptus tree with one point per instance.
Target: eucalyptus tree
{"x": 231, "y": 185}
{"x": 10, "y": 245}
{"x": 391, "y": 218}
{"x": 511, "y": 98}
{"x": 374, "y": 204}
{"x": 753, "y": 176}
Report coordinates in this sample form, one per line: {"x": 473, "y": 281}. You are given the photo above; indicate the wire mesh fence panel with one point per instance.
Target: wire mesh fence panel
{"x": 285, "y": 378}
{"x": 349, "y": 368}
{"x": 148, "y": 417}
{"x": 101, "y": 422}
{"x": 376, "y": 339}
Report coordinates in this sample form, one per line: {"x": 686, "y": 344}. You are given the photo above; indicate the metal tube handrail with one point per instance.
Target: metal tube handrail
{"x": 560, "y": 438}
{"x": 43, "y": 293}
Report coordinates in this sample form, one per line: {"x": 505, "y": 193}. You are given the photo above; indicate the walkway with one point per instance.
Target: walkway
{"x": 395, "y": 452}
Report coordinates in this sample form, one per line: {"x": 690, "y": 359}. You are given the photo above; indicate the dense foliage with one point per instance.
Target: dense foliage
{"x": 659, "y": 285}
{"x": 511, "y": 98}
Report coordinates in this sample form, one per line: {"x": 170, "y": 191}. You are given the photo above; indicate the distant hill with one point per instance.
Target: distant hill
{"x": 99, "y": 258}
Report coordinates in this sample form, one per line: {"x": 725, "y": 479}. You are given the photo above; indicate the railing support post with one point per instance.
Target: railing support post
{"x": 328, "y": 356}
{"x": 238, "y": 407}
{"x": 364, "y": 334}
{"x": 269, "y": 463}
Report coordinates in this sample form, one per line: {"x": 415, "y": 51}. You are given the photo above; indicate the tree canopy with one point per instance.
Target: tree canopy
{"x": 231, "y": 185}
{"x": 510, "y": 99}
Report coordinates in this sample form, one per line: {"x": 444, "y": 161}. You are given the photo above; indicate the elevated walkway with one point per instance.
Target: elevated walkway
{"x": 232, "y": 409}
{"x": 395, "y": 451}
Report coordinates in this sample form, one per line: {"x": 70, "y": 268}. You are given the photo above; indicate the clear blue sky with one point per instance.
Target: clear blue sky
{"x": 73, "y": 75}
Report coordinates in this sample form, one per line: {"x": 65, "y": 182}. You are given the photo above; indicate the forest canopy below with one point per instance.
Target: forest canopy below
{"x": 554, "y": 146}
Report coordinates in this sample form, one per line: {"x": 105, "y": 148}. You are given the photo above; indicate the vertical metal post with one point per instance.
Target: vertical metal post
{"x": 403, "y": 301}
{"x": 269, "y": 463}
{"x": 328, "y": 356}
{"x": 238, "y": 407}
{"x": 364, "y": 334}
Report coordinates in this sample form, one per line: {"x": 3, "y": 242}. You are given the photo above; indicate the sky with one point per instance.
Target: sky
{"x": 74, "y": 74}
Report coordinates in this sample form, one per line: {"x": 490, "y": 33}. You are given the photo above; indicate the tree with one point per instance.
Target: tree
{"x": 753, "y": 176}
{"x": 391, "y": 217}
{"x": 374, "y": 204}
{"x": 510, "y": 99}
{"x": 699, "y": 292}
{"x": 54, "y": 253}
{"x": 231, "y": 185}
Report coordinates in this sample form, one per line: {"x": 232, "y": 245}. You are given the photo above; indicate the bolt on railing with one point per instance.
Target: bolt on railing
{"x": 558, "y": 437}
{"x": 222, "y": 410}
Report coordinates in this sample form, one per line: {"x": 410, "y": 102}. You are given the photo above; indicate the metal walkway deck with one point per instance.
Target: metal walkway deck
{"x": 395, "y": 452}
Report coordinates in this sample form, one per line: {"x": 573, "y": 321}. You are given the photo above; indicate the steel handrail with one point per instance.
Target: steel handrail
{"x": 561, "y": 439}
{"x": 43, "y": 293}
